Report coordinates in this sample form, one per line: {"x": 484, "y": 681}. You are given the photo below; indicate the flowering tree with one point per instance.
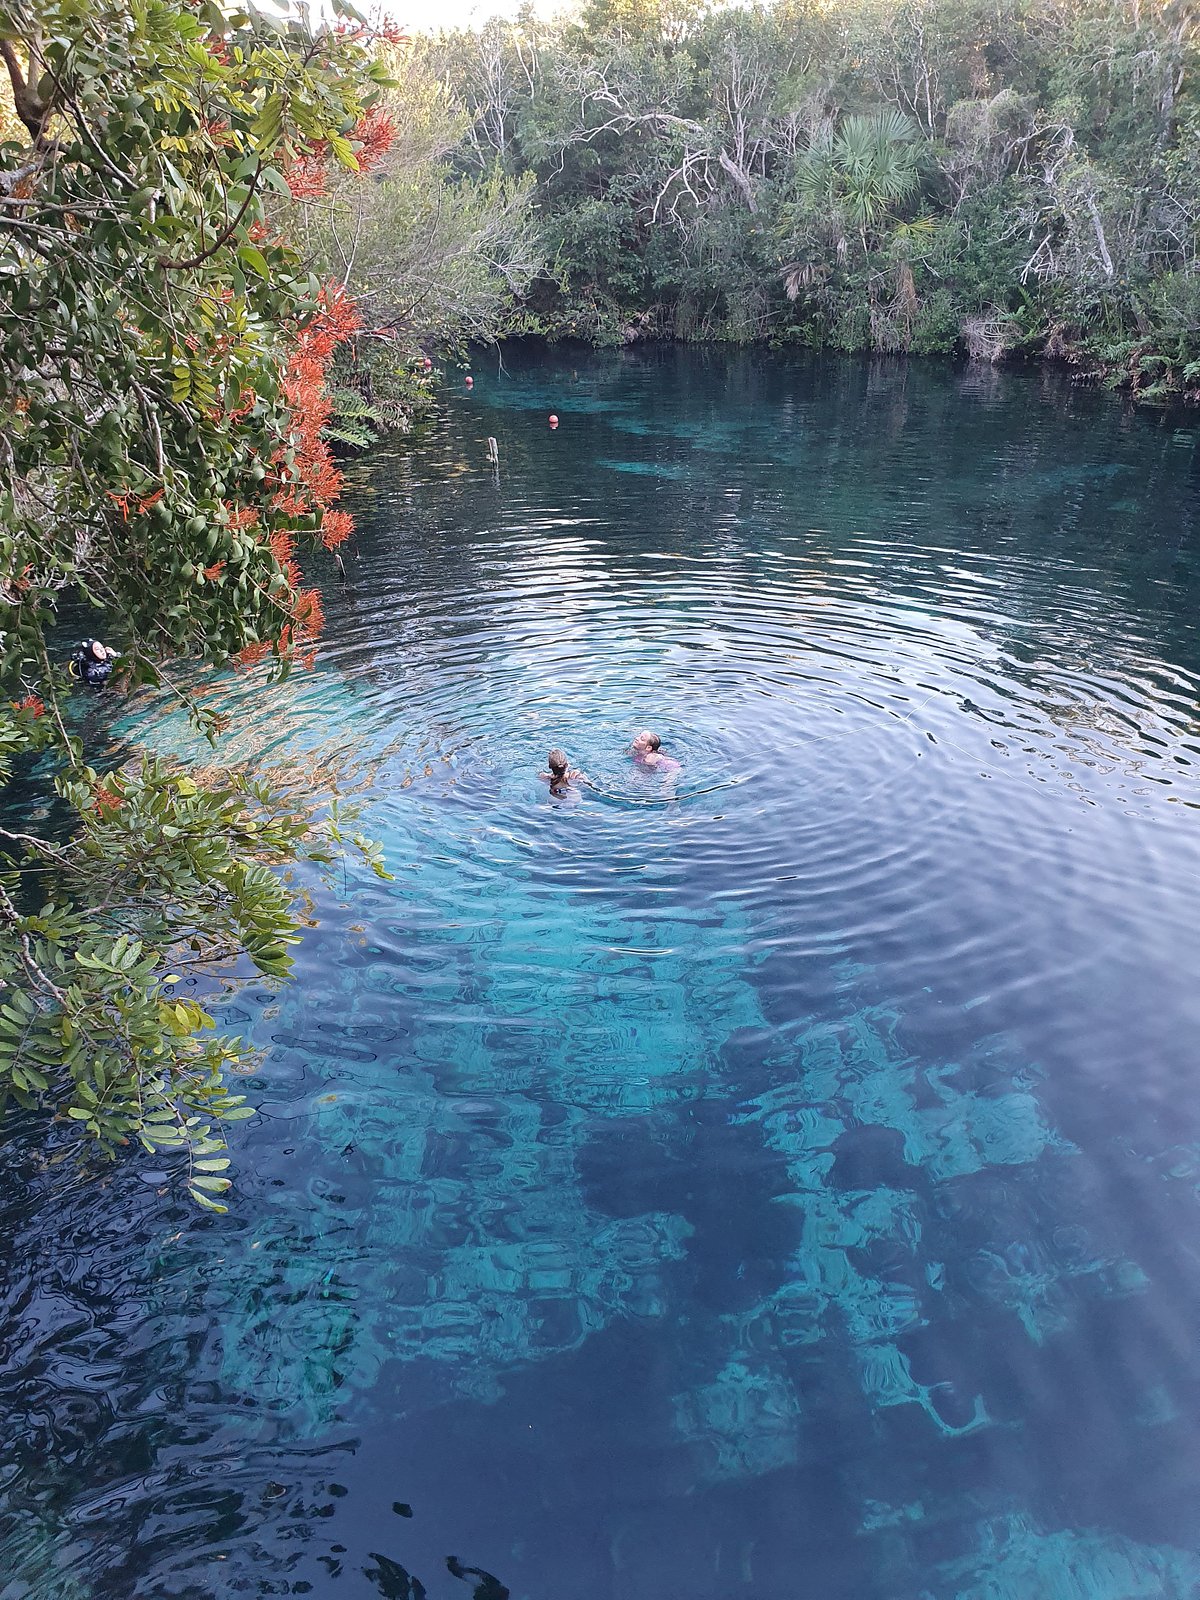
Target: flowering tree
{"x": 162, "y": 464}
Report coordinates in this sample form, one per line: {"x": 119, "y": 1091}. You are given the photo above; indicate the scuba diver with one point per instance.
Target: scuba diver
{"x": 92, "y": 663}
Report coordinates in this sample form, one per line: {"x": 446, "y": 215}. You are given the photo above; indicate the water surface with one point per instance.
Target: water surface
{"x": 780, "y": 1180}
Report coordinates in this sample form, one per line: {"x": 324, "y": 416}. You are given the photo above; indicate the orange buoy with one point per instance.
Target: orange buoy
{"x": 553, "y": 420}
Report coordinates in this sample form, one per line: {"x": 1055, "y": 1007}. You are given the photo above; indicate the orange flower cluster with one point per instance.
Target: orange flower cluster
{"x": 123, "y": 500}
{"x": 298, "y": 637}
{"x": 218, "y": 132}
{"x": 307, "y": 175}
{"x": 282, "y": 545}
{"x": 308, "y": 621}
{"x": 107, "y": 799}
{"x": 374, "y": 134}
{"x": 336, "y": 528}
{"x": 311, "y": 483}
{"x": 314, "y": 482}
{"x": 307, "y": 612}
{"x": 32, "y": 704}
{"x": 251, "y": 654}
{"x": 241, "y": 516}
{"x": 380, "y": 29}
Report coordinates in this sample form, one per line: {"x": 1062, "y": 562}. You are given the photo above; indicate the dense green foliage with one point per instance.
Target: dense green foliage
{"x": 924, "y": 175}
{"x": 162, "y": 357}
{"x": 435, "y": 257}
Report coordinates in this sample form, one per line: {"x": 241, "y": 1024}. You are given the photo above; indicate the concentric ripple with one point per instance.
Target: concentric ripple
{"x": 774, "y": 1173}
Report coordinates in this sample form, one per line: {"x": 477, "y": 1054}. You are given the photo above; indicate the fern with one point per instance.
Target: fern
{"x": 355, "y": 422}
{"x": 349, "y": 403}
{"x": 349, "y": 433}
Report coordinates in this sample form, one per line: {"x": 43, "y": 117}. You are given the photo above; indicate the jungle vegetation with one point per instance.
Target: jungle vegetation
{"x": 166, "y": 482}
{"x": 986, "y": 177}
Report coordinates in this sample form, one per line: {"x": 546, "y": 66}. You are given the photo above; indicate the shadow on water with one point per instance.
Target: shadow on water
{"x": 786, "y": 1188}
{"x": 127, "y": 1463}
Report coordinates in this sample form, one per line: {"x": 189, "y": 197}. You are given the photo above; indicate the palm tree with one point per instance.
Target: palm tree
{"x": 865, "y": 169}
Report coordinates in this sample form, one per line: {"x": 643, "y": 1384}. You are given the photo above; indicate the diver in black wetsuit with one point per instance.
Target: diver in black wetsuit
{"x": 92, "y": 663}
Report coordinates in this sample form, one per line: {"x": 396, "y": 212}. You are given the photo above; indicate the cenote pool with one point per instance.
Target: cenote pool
{"x": 786, "y": 1190}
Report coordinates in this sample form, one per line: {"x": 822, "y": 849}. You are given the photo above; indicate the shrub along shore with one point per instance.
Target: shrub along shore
{"x": 987, "y": 177}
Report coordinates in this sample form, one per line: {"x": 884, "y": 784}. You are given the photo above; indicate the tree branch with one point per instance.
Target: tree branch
{"x": 223, "y": 238}
{"x": 28, "y": 107}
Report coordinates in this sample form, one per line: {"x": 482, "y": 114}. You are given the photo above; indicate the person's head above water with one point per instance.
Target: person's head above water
{"x": 647, "y": 751}
{"x": 561, "y": 774}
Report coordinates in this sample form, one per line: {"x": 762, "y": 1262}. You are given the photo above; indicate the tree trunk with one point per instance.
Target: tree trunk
{"x": 1102, "y": 243}
{"x": 741, "y": 179}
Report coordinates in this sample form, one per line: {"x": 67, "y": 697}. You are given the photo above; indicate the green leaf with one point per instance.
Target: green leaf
{"x": 343, "y": 152}
{"x": 267, "y": 127}
{"x": 250, "y": 256}
{"x": 213, "y": 1185}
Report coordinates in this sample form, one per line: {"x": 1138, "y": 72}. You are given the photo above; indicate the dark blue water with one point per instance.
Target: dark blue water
{"x": 788, "y": 1189}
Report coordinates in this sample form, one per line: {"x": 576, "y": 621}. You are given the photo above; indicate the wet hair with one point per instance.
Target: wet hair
{"x": 654, "y": 742}
{"x": 557, "y": 761}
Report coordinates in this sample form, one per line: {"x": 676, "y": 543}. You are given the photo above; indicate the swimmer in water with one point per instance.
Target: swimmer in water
{"x": 561, "y": 774}
{"x": 92, "y": 663}
{"x": 647, "y": 751}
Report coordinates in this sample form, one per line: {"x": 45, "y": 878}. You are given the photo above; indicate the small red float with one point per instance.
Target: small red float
{"x": 553, "y": 420}
{"x": 470, "y": 383}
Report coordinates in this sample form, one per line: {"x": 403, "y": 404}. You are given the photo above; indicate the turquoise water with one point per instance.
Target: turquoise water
{"x": 782, "y": 1179}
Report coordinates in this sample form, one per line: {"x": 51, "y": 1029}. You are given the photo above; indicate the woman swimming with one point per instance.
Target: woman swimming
{"x": 561, "y": 774}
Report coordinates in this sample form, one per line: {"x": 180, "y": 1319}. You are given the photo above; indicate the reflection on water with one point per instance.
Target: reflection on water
{"x": 779, "y": 1179}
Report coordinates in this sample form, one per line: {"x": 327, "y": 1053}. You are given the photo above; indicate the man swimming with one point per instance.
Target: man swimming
{"x": 561, "y": 773}
{"x": 647, "y": 751}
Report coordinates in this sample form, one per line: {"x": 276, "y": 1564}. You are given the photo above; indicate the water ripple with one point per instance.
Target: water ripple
{"x": 816, "y": 1119}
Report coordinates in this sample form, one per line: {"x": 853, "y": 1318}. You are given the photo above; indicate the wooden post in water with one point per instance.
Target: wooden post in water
{"x": 493, "y": 451}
